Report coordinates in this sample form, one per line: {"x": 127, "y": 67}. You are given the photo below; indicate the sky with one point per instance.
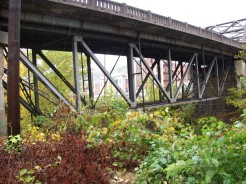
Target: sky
{"x": 196, "y": 12}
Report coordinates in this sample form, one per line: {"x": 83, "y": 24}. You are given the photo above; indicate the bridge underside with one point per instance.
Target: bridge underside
{"x": 197, "y": 68}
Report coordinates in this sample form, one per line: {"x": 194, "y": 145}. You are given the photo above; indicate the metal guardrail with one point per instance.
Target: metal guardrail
{"x": 123, "y": 9}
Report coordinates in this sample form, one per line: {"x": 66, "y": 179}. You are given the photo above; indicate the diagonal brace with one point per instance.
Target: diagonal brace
{"x": 207, "y": 77}
{"x": 186, "y": 71}
{"x": 224, "y": 79}
{"x": 106, "y": 73}
{"x": 151, "y": 72}
{"x": 146, "y": 78}
{"x": 58, "y": 73}
{"x": 173, "y": 75}
{"x": 44, "y": 80}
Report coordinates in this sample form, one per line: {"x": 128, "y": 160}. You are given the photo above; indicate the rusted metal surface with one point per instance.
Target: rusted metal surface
{"x": 13, "y": 116}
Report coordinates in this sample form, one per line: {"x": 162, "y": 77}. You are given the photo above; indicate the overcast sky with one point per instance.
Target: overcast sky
{"x": 196, "y": 12}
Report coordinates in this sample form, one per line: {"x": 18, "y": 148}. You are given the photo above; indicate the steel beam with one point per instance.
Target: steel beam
{"x": 170, "y": 74}
{"x": 131, "y": 75}
{"x": 234, "y": 29}
{"x": 224, "y": 79}
{"x": 35, "y": 81}
{"x": 58, "y": 73}
{"x": 244, "y": 34}
{"x": 198, "y": 78}
{"x": 90, "y": 79}
{"x": 45, "y": 81}
{"x": 106, "y": 73}
{"x": 13, "y": 115}
{"x": 207, "y": 77}
{"x": 76, "y": 74}
{"x": 105, "y": 82}
{"x": 217, "y": 78}
{"x": 186, "y": 71}
{"x": 182, "y": 74}
{"x": 25, "y": 104}
{"x": 173, "y": 75}
{"x": 159, "y": 76}
{"x": 151, "y": 72}
{"x": 146, "y": 78}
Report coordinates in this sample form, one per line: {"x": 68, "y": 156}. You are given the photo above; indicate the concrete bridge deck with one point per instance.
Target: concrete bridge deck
{"x": 107, "y": 25}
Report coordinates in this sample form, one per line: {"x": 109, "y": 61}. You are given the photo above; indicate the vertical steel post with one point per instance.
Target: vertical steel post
{"x": 198, "y": 79}
{"x": 13, "y": 92}
{"x": 182, "y": 74}
{"x": 217, "y": 78}
{"x": 35, "y": 81}
{"x": 170, "y": 73}
{"x": 3, "y": 127}
{"x": 76, "y": 74}
{"x": 82, "y": 67}
{"x": 131, "y": 76}
{"x": 90, "y": 80}
{"x": 159, "y": 77}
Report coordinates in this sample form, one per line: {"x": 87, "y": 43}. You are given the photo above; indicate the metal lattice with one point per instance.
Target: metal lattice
{"x": 234, "y": 29}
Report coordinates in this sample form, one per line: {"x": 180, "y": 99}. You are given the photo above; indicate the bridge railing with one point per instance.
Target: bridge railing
{"x": 136, "y": 13}
{"x": 147, "y": 16}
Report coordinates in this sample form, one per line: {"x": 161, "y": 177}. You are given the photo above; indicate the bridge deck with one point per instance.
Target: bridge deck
{"x": 107, "y": 25}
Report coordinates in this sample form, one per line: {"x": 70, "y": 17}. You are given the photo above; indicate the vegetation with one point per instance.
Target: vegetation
{"x": 164, "y": 145}
{"x": 158, "y": 146}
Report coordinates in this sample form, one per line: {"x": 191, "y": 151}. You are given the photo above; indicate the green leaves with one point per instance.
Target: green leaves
{"x": 13, "y": 144}
{"x": 27, "y": 176}
{"x": 22, "y": 172}
{"x": 216, "y": 155}
{"x": 180, "y": 165}
{"x": 209, "y": 175}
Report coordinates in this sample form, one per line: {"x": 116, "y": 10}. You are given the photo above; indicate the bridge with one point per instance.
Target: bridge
{"x": 91, "y": 27}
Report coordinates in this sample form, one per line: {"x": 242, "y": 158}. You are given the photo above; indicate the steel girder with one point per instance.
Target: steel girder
{"x": 59, "y": 74}
{"x": 90, "y": 53}
{"x": 44, "y": 80}
{"x": 234, "y": 29}
{"x": 177, "y": 75}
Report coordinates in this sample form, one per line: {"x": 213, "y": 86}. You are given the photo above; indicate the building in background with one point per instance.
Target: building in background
{"x": 121, "y": 78}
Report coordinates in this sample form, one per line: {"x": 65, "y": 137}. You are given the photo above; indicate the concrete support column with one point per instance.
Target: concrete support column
{"x": 3, "y": 125}
{"x": 240, "y": 69}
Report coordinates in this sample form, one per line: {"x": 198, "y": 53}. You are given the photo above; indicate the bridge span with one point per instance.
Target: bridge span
{"x": 198, "y": 61}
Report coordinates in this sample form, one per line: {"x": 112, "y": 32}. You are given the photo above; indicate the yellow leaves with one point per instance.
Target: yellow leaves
{"x": 115, "y": 123}
{"x": 151, "y": 116}
{"x": 56, "y": 136}
{"x": 34, "y": 135}
{"x": 172, "y": 129}
{"x": 37, "y": 168}
{"x": 157, "y": 113}
{"x": 104, "y": 131}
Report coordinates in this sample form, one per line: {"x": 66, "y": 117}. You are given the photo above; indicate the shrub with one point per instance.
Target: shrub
{"x": 199, "y": 158}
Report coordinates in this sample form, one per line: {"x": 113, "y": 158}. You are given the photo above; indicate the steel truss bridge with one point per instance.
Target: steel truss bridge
{"x": 105, "y": 27}
{"x": 235, "y": 29}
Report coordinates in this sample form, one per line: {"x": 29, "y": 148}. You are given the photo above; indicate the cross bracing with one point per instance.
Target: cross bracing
{"x": 234, "y": 29}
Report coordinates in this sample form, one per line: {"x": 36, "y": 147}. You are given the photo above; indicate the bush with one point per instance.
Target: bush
{"x": 199, "y": 158}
